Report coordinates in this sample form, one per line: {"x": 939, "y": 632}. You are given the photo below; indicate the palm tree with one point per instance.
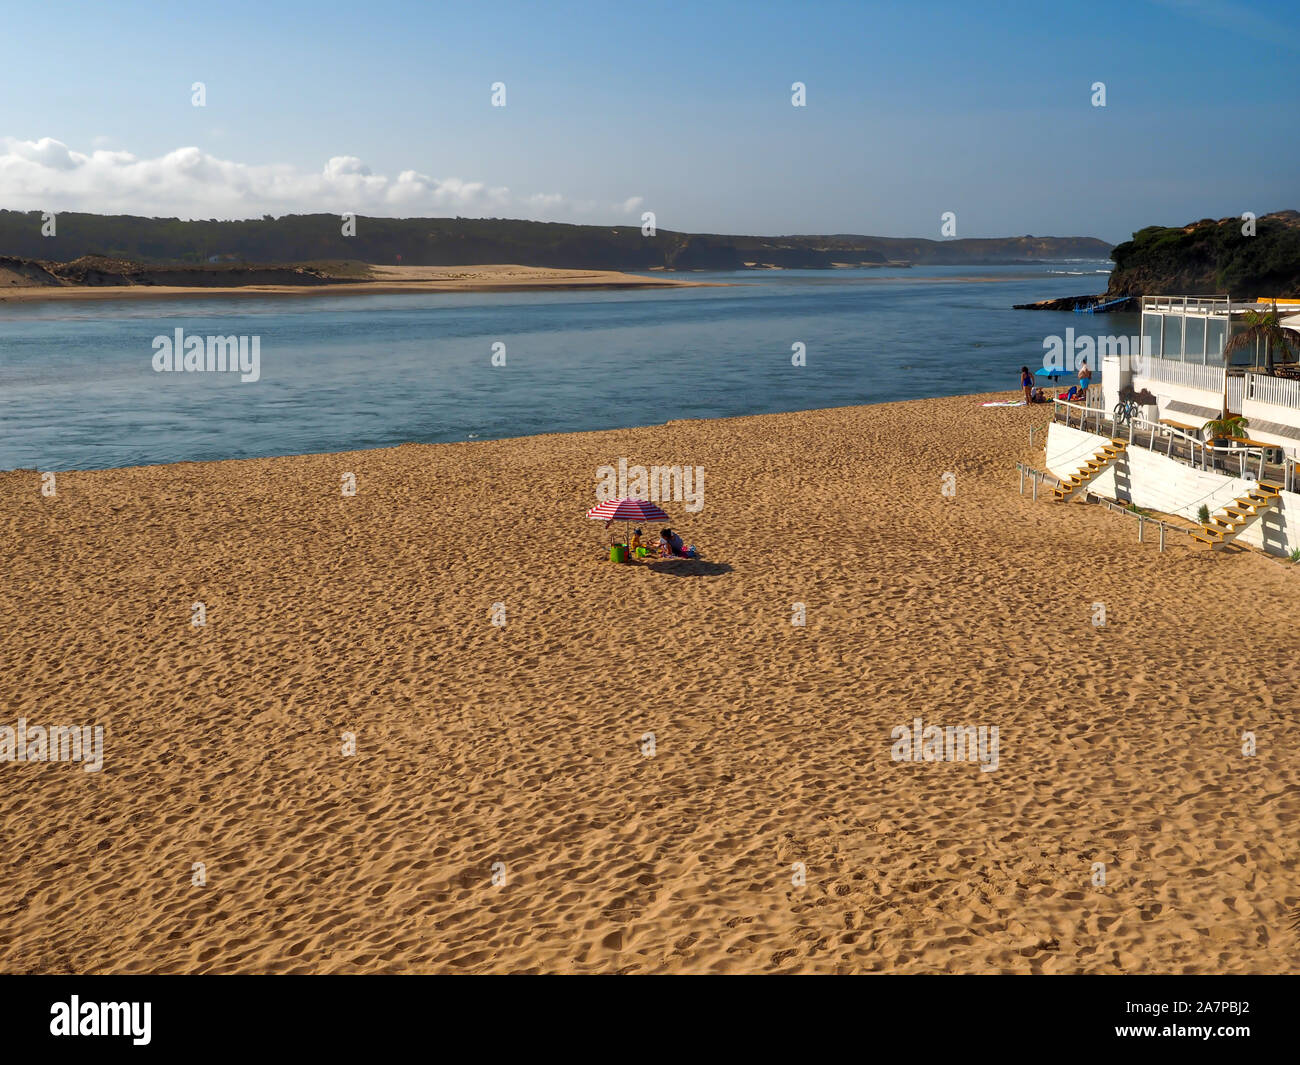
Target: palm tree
{"x": 1265, "y": 326}
{"x": 1226, "y": 427}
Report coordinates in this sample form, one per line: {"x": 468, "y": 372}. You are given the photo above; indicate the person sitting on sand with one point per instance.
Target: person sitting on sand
{"x": 636, "y": 543}
{"x": 671, "y": 546}
{"x": 1036, "y": 396}
{"x": 1025, "y": 382}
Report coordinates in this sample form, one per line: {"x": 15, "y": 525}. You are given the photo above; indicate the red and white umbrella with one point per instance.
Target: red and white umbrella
{"x": 626, "y": 510}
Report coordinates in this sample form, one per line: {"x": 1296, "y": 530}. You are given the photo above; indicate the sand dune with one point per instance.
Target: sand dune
{"x": 522, "y": 744}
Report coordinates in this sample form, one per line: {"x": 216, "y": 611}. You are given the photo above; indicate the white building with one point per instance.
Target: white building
{"x": 1187, "y": 373}
{"x": 1158, "y": 456}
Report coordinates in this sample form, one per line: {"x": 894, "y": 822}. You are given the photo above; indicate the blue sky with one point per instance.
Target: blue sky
{"x": 913, "y": 109}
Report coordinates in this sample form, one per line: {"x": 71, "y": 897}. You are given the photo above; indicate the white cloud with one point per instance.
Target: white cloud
{"x": 46, "y": 175}
{"x": 45, "y": 153}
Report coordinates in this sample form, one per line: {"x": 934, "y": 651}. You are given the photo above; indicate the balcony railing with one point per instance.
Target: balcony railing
{"x": 1280, "y": 391}
{"x": 1187, "y": 374}
{"x": 1211, "y": 305}
{"x": 1186, "y": 304}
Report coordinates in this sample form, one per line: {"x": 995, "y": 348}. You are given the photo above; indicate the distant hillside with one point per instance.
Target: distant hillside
{"x": 471, "y": 241}
{"x": 1209, "y": 257}
{"x": 91, "y": 271}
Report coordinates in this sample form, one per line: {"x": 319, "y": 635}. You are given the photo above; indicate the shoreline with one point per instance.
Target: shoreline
{"x": 974, "y": 397}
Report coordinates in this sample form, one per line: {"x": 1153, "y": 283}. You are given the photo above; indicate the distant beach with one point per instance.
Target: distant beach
{"x": 381, "y": 280}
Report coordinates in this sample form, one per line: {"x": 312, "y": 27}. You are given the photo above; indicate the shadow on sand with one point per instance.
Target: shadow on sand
{"x": 689, "y": 567}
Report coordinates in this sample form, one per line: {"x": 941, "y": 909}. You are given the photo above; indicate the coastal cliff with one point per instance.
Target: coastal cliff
{"x": 1211, "y": 257}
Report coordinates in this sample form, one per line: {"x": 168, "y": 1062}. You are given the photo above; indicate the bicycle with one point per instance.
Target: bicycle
{"x": 1126, "y": 410}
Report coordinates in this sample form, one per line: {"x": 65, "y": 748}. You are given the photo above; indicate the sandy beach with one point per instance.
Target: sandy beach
{"x": 503, "y": 810}
{"x": 382, "y": 280}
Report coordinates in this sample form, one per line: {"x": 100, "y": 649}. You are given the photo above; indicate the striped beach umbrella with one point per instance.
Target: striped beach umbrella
{"x": 626, "y": 510}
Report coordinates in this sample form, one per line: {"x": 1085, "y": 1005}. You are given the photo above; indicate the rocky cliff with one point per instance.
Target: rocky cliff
{"x": 1211, "y": 257}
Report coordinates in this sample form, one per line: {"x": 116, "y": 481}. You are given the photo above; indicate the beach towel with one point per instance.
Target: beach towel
{"x": 1005, "y": 403}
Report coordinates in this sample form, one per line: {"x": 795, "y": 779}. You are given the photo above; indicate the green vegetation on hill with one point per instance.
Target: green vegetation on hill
{"x": 470, "y": 241}
{"x": 1211, "y": 257}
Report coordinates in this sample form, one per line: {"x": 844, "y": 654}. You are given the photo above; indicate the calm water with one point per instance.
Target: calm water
{"x": 78, "y": 390}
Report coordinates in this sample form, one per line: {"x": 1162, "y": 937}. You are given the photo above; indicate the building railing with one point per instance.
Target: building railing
{"x": 1239, "y": 384}
{"x": 1236, "y": 392}
{"x": 1212, "y": 305}
{"x": 1186, "y": 374}
{"x": 1062, "y": 410}
{"x": 1243, "y": 461}
{"x": 1280, "y": 391}
{"x": 1187, "y": 304}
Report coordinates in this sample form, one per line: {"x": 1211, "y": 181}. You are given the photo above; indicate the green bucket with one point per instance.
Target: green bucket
{"x": 618, "y": 553}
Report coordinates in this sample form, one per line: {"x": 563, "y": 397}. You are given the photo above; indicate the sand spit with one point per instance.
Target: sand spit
{"x": 228, "y": 832}
{"x": 15, "y": 287}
